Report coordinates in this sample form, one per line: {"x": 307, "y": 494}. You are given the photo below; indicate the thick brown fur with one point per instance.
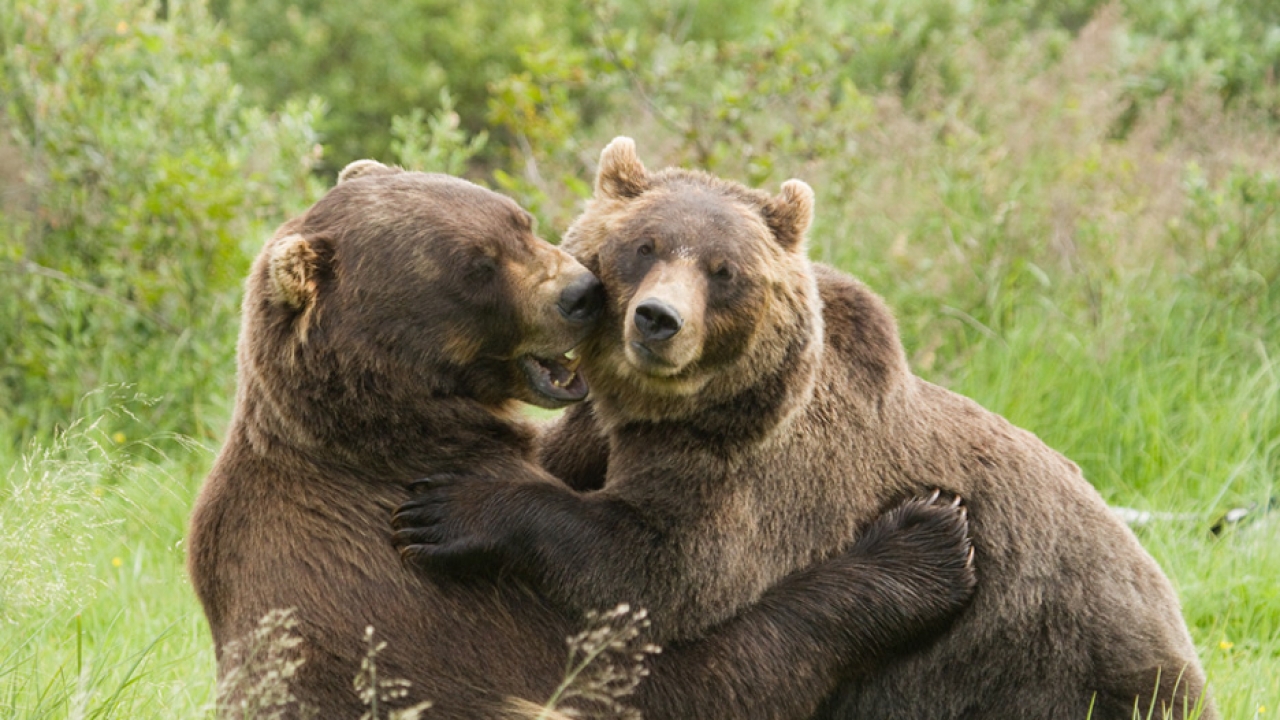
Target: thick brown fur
{"x": 382, "y": 340}
{"x": 785, "y": 420}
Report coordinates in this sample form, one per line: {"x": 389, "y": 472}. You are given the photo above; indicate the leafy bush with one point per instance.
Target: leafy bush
{"x": 138, "y": 183}
{"x": 372, "y": 61}
{"x": 436, "y": 144}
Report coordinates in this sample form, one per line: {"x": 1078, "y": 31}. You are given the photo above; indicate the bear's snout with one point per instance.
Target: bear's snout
{"x": 582, "y": 300}
{"x": 657, "y": 320}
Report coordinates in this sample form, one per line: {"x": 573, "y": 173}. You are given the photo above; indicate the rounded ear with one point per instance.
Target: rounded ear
{"x": 294, "y": 266}
{"x": 789, "y": 213}
{"x": 621, "y": 174}
{"x": 364, "y": 168}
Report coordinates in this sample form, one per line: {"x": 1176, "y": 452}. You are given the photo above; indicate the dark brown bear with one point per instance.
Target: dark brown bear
{"x": 752, "y": 411}
{"x": 386, "y": 333}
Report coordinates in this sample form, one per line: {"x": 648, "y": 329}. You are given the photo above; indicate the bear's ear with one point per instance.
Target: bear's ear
{"x": 365, "y": 168}
{"x": 294, "y": 266}
{"x": 621, "y": 175}
{"x": 789, "y": 214}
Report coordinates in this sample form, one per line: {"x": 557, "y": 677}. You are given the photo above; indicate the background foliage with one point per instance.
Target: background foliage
{"x": 136, "y": 181}
{"x": 1071, "y": 205}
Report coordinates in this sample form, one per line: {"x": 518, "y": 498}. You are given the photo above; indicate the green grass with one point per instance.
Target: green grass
{"x": 1176, "y": 407}
{"x": 97, "y": 618}
{"x": 1176, "y": 411}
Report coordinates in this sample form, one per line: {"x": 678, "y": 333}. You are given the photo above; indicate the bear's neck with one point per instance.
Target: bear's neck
{"x": 381, "y": 440}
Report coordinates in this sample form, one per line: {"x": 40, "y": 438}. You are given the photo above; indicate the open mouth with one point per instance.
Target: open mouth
{"x": 556, "y": 379}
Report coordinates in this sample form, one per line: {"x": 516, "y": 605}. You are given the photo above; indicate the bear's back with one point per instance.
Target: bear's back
{"x": 1067, "y": 600}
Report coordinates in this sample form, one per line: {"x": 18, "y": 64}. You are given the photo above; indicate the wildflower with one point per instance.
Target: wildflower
{"x": 122, "y": 27}
{"x": 261, "y": 667}
{"x": 607, "y": 663}
{"x": 1226, "y": 644}
{"x": 116, "y": 562}
{"x": 119, "y": 437}
{"x": 373, "y": 689}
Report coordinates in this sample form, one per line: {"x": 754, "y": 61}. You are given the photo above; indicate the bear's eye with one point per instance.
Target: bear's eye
{"x": 723, "y": 272}
{"x": 483, "y": 267}
{"x": 645, "y": 249}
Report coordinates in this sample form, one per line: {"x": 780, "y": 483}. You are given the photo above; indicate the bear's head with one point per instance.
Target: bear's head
{"x": 399, "y": 293}
{"x": 710, "y": 293}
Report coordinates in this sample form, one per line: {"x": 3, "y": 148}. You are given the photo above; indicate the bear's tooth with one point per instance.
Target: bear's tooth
{"x": 571, "y": 361}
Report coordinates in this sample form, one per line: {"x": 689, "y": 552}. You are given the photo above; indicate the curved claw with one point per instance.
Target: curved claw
{"x": 457, "y": 553}
{"x": 416, "y": 536}
{"x": 416, "y": 554}
{"x": 416, "y": 513}
{"x": 433, "y": 481}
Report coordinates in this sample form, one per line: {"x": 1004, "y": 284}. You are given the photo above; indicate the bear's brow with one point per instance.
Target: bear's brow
{"x": 511, "y": 246}
{"x": 714, "y": 222}
{"x": 501, "y": 239}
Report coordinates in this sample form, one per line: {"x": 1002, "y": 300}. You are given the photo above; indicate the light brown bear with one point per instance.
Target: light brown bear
{"x": 387, "y": 333}
{"x": 751, "y": 410}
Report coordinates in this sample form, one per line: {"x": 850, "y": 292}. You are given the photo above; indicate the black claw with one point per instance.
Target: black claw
{"x": 445, "y": 555}
{"x": 415, "y": 537}
{"x": 434, "y": 481}
{"x": 404, "y": 517}
{"x": 425, "y": 484}
{"x": 415, "y": 554}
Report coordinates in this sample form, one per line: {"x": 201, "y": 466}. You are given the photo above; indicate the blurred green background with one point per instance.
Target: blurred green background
{"x": 1072, "y": 207}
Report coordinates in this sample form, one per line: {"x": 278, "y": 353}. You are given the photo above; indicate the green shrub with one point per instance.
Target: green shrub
{"x": 372, "y": 61}
{"x": 437, "y": 143}
{"x": 139, "y": 182}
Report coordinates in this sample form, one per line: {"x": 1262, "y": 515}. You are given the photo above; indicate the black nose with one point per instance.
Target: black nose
{"x": 657, "y": 320}
{"x": 582, "y": 300}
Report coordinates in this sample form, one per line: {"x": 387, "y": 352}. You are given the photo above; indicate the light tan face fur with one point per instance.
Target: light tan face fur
{"x": 730, "y": 262}
{"x": 539, "y": 279}
{"x": 681, "y": 285}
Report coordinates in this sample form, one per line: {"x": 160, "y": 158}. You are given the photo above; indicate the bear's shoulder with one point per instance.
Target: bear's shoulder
{"x": 859, "y": 327}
